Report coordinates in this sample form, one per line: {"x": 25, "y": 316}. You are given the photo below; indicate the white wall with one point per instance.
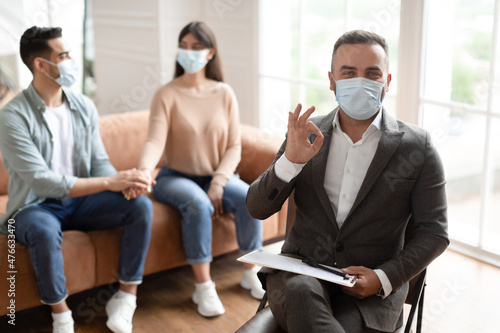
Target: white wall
{"x": 136, "y": 46}
{"x": 127, "y": 53}
{"x": 17, "y": 16}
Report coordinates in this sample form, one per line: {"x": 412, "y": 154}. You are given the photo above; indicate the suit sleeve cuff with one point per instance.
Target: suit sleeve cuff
{"x": 386, "y": 289}
{"x": 286, "y": 170}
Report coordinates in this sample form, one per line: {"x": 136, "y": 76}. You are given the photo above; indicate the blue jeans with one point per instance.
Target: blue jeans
{"x": 188, "y": 195}
{"x": 40, "y": 228}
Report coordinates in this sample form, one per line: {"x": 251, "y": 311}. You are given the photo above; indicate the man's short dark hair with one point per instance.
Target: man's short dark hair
{"x": 361, "y": 37}
{"x": 34, "y": 43}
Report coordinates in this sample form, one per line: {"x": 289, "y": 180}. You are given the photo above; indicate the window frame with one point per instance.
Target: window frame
{"x": 410, "y": 100}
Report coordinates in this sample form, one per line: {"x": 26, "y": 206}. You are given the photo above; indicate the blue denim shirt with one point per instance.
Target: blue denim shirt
{"x": 26, "y": 146}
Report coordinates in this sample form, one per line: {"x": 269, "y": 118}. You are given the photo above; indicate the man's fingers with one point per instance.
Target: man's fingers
{"x": 140, "y": 178}
{"x": 318, "y": 142}
{"x": 218, "y": 206}
{"x": 348, "y": 291}
{"x": 296, "y": 113}
{"x": 303, "y": 119}
{"x": 354, "y": 270}
{"x": 217, "y": 209}
{"x": 311, "y": 127}
{"x": 291, "y": 122}
{"x": 293, "y": 117}
{"x": 141, "y": 186}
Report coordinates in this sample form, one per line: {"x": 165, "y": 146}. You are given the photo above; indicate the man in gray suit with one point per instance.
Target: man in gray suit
{"x": 359, "y": 175}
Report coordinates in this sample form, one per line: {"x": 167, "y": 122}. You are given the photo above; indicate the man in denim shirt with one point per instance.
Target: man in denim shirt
{"x": 61, "y": 179}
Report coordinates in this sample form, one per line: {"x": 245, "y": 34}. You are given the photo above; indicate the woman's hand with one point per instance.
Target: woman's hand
{"x": 215, "y": 193}
{"x": 134, "y": 191}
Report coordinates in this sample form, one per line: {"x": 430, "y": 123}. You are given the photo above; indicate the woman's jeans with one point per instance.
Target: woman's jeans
{"x": 40, "y": 227}
{"x": 188, "y": 195}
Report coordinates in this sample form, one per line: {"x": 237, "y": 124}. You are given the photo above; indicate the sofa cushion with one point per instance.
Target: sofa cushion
{"x": 4, "y": 179}
{"x": 107, "y": 248}
{"x": 26, "y": 291}
{"x": 123, "y": 136}
{"x": 258, "y": 150}
{"x": 79, "y": 268}
{"x": 167, "y": 232}
{"x": 3, "y": 204}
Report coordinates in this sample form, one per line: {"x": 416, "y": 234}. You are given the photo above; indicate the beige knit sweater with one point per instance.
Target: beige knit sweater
{"x": 194, "y": 130}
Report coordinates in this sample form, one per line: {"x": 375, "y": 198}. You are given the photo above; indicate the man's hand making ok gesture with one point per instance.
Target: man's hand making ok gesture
{"x": 298, "y": 147}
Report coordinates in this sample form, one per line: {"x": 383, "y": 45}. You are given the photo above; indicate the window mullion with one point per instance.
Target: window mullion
{"x": 300, "y": 42}
{"x": 410, "y": 60}
{"x": 487, "y": 181}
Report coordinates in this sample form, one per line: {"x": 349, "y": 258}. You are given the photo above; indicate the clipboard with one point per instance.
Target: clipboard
{"x": 284, "y": 263}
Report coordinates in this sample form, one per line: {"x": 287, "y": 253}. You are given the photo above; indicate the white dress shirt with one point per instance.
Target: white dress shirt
{"x": 346, "y": 169}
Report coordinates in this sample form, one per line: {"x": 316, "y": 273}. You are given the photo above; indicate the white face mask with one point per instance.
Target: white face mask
{"x": 68, "y": 70}
{"x": 359, "y": 98}
{"x": 192, "y": 61}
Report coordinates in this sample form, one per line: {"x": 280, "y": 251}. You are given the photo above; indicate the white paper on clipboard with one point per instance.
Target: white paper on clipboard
{"x": 294, "y": 265}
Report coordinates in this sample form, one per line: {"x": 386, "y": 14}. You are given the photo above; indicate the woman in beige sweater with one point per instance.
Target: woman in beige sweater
{"x": 194, "y": 129}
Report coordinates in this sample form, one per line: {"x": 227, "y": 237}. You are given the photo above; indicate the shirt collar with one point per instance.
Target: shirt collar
{"x": 37, "y": 102}
{"x": 34, "y": 99}
{"x": 375, "y": 125}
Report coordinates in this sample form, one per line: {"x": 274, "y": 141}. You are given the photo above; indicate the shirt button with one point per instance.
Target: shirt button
{"x": 344, "y": 196}
{"x": 348, "y": 170}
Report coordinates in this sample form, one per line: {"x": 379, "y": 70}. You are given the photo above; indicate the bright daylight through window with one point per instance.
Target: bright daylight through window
{"x": 458, "y": 102}
{"x": 461, "y": 109}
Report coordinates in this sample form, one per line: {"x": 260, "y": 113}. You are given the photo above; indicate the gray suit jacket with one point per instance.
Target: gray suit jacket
{"x": 405, "y": 179}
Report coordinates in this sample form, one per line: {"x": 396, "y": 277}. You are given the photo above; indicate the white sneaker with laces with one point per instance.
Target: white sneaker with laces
{"x": 63, "y": 325}
{"x": 205, "y": 296}
{"x": 120, "y": 311}
{"x": 251, "y": 282}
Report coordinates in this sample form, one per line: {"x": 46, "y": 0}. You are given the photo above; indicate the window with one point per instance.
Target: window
{"x": 460, "y": 106}
{"x": 450, "y": 48}
{"x": 296, "y": 43}
{"x": 17, "y": 16}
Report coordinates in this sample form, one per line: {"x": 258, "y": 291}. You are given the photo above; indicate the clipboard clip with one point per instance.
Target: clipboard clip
{"x": 313, "y": 263}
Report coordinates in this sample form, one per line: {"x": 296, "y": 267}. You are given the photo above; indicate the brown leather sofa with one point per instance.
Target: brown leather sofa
{"x": 91, "y": 258}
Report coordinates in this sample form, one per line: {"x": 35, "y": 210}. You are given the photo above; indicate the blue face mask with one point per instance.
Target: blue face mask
{"x": 68, "y": 70}
{"x": 359, "y": 98}
{"x": 192, "y": 61}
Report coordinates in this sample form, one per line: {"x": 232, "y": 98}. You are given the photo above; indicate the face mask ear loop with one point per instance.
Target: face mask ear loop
{"x": 334, "y": 84}
{"x": 47, "y": 74}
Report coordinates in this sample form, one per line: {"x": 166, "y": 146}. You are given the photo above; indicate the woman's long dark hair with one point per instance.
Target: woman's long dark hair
{"x": 205, "y": 35}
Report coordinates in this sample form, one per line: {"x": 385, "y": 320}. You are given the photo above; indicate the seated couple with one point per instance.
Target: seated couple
{"x": 61, "y": 178}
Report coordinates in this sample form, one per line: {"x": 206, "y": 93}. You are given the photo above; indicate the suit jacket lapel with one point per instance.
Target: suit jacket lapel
{"x": 389, "y": 142}
{"x": 319, "y": 166}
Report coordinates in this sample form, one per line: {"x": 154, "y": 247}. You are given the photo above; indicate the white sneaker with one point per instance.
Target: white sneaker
{"x": 209, "y": 304}
{"x": 250, "y": 281}
{"x": 120, "y": 311}
{"x": 63, "y": 325}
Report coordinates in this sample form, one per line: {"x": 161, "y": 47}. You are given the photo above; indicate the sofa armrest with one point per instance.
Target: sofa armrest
{"x": 258, "y": 150}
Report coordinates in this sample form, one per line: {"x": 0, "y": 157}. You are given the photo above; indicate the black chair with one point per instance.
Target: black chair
{"x": 264, "y": 322}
